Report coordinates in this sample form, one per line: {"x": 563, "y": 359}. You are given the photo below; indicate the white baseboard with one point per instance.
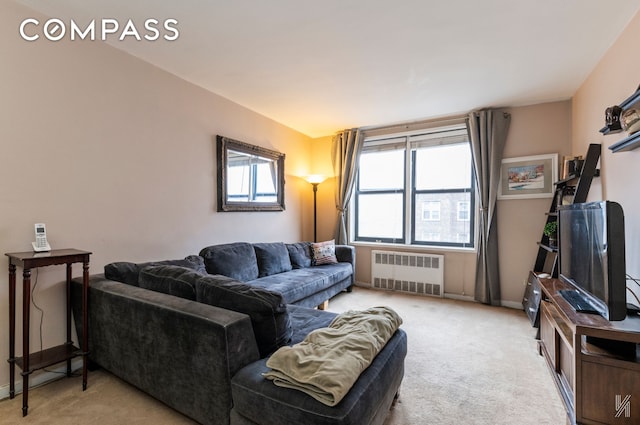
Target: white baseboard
{"x": 459, "y": 297}
{"x": 512, "y": 304}
{"x": 42, "y": 378}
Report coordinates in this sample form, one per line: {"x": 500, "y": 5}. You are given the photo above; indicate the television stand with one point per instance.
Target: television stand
{"x": 594, "y": 362}
{"x": 577, "y": 301}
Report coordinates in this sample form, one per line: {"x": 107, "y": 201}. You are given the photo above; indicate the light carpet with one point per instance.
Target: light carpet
{"x": 467, "y": 364}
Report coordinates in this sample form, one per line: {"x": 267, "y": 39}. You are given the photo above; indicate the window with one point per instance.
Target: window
{"x": 416, "y": 189}
{"x": 431, "y": 211}
{"x": 463, "y": 211}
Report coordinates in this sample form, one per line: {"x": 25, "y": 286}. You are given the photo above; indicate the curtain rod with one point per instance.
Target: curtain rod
{"x": 412, "y": 125}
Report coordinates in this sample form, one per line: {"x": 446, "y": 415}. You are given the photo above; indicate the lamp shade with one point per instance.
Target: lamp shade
{"x": 315, "y": 178}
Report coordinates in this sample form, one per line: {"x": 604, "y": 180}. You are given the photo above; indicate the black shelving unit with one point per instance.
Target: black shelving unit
{"x": 632, "y": 141}
{"x": 627, "y": 144}
{"x": 570, "y": 190}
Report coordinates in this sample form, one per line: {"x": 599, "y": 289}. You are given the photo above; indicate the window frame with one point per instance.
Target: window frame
{"x": 413, "y": 141}
{"x": 381, "y": 192}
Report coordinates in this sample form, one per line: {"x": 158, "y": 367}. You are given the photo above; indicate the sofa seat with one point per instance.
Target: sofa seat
{"x": 258, "y": 401}
{"x": 297, "y": 284}
{"x": 290, "y": 269}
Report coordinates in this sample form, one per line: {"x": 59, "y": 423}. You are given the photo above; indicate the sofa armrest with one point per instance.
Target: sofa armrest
{"x": 181, "y": 352}
{"x": 347, "y": 254}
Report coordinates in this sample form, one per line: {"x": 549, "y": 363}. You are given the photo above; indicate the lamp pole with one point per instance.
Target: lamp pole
{"x": 315, "y": 191}
{"x": 315, "y": 180}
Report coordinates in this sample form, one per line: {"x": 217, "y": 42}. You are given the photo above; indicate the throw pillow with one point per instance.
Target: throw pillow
{"x": 268, "y": 312}
{"x": 324, "y": 252}
{"x": 272, "y": 258}
{"x": 300, "y": 254}
{"x": 172, "y": 280}
{"x": 235, "y": 260}
{"x": 127, "y": 272}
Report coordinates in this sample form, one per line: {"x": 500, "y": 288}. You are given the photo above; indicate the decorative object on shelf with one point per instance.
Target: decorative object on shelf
{"x": 551, "y": 231}
{"x": 315, "y": 180}
{"x": 528, "y": 177}
{"x": 571, "y": 164}
{"x": 630, "y": 120}
{"x": 612, "y": 118}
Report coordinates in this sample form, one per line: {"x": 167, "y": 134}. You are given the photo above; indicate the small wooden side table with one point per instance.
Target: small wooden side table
{"x": 30, "y": 362}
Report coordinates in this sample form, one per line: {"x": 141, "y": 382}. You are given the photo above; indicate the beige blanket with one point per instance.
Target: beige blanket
{"x": 329, "y": 360}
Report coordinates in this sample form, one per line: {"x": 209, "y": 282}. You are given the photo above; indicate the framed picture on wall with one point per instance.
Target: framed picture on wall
{"x": 528, "y": 177}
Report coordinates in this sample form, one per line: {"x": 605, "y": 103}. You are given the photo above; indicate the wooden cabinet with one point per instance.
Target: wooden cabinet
{"x": 594, "y": 363}
{"x": 532, "y": 297}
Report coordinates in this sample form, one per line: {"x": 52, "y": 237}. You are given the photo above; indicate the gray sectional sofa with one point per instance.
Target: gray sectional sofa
{"x": 199, "y": 341}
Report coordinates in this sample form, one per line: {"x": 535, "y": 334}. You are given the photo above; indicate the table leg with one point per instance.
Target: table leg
{"x": 26, "y": 303}
{"x": 69, "y": 343}
{"x": 85, "y": 322}
{"x": 12, "y": 330}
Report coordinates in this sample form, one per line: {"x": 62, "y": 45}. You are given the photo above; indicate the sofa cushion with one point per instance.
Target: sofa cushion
{"x": 304, "y": 320}
{"x": 172, "y": 280}
{"x": 299, "y": 284}
{"x": 272, "y": 258}
{"x": 300, "y": 254}
{"x": 235, "y": 260}
{"x": 127, "y": 272}
{"x": 323, "y": 253}
{"x": 267, "y": 310}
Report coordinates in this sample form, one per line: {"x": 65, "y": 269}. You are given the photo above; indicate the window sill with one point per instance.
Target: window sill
{"x": 434, "y": 249}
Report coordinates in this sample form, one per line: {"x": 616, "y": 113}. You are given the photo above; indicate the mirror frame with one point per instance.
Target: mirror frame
{"x": 224, "y": 144}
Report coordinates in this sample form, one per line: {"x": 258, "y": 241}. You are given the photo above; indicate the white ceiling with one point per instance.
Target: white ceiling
{"x": 321, "y": 66}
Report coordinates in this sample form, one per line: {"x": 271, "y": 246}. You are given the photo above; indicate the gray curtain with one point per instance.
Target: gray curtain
{"x": 345, "y": 153}
{"x": 488, "y": 133}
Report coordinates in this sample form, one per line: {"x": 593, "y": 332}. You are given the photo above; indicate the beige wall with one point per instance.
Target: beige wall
{"x": 326, "y": 210}
{"x": 614, "y": 79}
{"x": 535, "y": 130}
{"x": 118, "y": 157}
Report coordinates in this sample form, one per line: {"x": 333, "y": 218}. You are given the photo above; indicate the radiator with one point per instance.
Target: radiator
{"x": 416, "y": 273}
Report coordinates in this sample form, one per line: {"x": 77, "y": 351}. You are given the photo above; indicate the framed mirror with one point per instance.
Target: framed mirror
{"x": 250, "y": 178}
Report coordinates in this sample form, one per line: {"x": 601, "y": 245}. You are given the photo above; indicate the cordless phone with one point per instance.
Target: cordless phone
{"x": 41, "y": 243}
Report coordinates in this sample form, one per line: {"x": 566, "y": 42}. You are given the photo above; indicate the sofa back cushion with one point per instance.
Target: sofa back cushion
{"x": 300, "y": 254}
{"x": 273, "y": 258}
{"x": 127, "y": 272}
{"x": 172, "y": 280}
{"x": 323, "y": 253}
{"x": 235, "y": 260}
{"x": 267, "y": 310}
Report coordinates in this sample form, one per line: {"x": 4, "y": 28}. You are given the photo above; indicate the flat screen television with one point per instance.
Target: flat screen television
{"x": 591, "y": 254}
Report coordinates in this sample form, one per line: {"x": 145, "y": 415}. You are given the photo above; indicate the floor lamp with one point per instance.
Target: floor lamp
{"x": 315, "y": 180}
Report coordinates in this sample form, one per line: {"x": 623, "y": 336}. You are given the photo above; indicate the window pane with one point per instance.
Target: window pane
{"x": 382, "y": 170}
{"x": 265, "y": 183}
{"x": 443, "y": 167}
{"x": 451, "y": 227}
{"x": 380, "y": 216}
{"x": 238, "y": 183}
